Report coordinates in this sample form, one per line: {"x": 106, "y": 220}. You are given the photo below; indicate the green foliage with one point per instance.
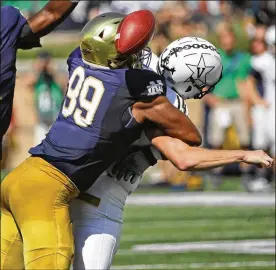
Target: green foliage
{"x": 32, "y": 6}
{"x": 57, "y": 50}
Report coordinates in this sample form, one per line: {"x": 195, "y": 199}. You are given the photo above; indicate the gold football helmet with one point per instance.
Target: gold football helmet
{"x": 98, "y": 41}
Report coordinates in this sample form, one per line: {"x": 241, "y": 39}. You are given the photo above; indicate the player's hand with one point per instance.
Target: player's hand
{"x": 264, "y": 103}
{"x": 259, "y": 158}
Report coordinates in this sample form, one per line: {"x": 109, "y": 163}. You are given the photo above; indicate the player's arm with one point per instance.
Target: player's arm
{"x": 152, "y": 106}
{"x": 52, "y": 14}
{"x": 168, "y": 119}
{"x": 250, "y": 92}
{"x": 188, "y": 158}
{"x": 45, "y": 20}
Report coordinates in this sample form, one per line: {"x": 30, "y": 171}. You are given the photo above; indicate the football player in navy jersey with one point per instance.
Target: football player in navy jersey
{"x": 107, "y": 106}
{"x": 20, "y": 33}
{"x": 97, "y": 214}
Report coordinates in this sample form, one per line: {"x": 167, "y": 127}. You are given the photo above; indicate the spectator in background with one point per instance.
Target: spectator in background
{"x": 227, "y": 103}
{"x": 270, "y": 39}
{"x": 48, "y": 95}
{"x": 161, "y": 37}
{"x": 263, "y": 118}
{"x": 180, "y": 22}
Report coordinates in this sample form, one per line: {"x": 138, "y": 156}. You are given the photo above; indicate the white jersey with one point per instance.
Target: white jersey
{"x": 264, "y": 64}
{"x": 264, "y": 118}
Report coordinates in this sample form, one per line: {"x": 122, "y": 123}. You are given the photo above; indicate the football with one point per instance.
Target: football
{"x": 135, "y": 32}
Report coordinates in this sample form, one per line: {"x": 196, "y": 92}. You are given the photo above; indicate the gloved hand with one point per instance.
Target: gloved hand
{"x": 133, "y": 165}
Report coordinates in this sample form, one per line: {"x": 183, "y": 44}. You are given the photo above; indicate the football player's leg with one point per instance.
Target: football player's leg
{"x": 259, "y": 127}
{"x": 96, "y": 238}
{"x": 271, "y": 135}
{"x": 219, "y": 121}
{"x": 11, "y": 242}
{"x": 271, "y": 129}
{"x": 239, "y": 112}
{"x": 39, "y": 202}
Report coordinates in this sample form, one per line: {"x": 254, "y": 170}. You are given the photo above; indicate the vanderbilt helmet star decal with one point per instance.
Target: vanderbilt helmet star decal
{"x": 200, "y": 70}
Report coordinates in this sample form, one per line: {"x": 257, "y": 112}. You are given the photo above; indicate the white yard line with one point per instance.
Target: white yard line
{"x": 258, "y": 246}
{"x": 204, "y": 198}
{"x": 211, "y": 235}
{"x": 188, "y": 223}
{"x": 194, "y": 265}
{"x": 241, "y": 246}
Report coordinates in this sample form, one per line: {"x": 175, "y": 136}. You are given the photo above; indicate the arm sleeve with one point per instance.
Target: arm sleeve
{"x": 28, "y": 39}
{"x": 12, "y": 22}
{"x": 145, "y": 84}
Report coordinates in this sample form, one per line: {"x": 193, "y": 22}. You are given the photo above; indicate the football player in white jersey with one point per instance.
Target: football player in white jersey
{"x": 263, "y": 117}
{"x": 270, "y": 39}
{"x": 97, "y": 216}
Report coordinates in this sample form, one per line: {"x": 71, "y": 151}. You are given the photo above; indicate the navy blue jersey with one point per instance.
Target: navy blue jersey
{"x": 12, "y": 23}
{"x": 95, "y": 125}
{"x": 141, "y": 154}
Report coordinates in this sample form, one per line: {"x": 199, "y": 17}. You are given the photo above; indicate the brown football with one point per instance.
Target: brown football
{"x": 135, "y": 32}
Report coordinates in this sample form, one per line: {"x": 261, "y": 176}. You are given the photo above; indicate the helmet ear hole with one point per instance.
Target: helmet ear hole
{"x": 98, "y": 38}
{"x": 189, "y": 89}
{"x": 101, "y": 34}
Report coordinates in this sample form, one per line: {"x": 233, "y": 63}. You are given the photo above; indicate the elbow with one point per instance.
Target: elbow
{"x": 193, "y": 139}
{"x": 185, "y": 161}
{"x": 183, "y": 164}
{"x": 197, "y": 140}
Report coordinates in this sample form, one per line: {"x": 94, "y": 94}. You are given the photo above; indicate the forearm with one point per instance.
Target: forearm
{"x": 248, "y": 92}
{"x": 54, "y": 12}
{"x": 204, "y": 159}
{"x": 169, "y": 120}
{"x": 189, "y": 158}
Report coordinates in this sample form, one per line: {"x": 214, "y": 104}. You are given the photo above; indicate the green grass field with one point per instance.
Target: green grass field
{"x": 176, "y": 225}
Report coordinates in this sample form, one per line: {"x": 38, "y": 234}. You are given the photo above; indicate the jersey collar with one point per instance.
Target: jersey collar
{"x": 94, "y": 65}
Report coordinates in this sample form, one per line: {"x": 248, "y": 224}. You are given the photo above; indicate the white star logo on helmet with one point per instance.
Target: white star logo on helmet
{"x": 200, "y": 71}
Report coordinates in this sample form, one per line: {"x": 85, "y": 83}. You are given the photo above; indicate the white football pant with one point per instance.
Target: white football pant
{"x": 97, "y": 230}
{"x": 96, "y": 242}
{"x": 263, "y": 136}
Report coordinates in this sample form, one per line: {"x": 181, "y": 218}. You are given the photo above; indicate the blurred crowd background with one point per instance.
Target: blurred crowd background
{"x": 239, "y": 114}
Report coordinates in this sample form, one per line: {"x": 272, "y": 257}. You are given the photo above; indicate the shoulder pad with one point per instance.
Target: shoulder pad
{"x": 145, "y": 83}
{"x": 74, "y": 54}
{"x": 12, "y": 12}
